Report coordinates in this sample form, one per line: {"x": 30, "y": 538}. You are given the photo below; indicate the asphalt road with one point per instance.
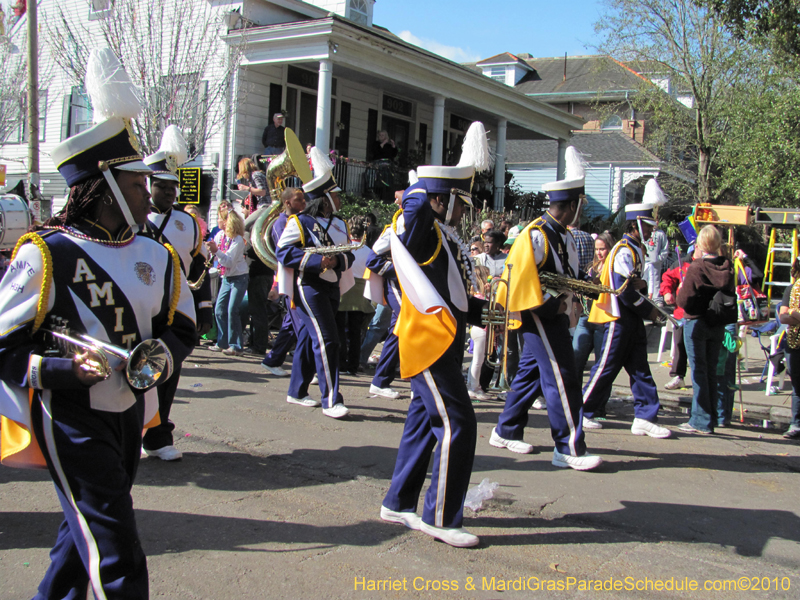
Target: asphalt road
{"x": 273, "y": 500}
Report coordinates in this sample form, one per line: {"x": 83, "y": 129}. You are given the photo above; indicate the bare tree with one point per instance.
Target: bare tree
{"x": 691, "y": 65}
{"x": 13, "y": 78}
{"x": 173, "y": 53}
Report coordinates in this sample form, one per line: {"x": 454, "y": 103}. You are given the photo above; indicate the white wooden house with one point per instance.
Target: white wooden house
{"x": 339, "y": 77}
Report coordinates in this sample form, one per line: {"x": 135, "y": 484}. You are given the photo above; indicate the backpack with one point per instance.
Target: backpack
{"x": 723, "y": 309}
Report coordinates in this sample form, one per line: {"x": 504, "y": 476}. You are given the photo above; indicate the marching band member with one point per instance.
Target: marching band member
{"x": 315, "y": 282}
{"x": 625, "y": 339}
{"x": 168, "y": 225}
{"x": 433, "y": 267}
{"x": 548, "y": 360}
{"x": 81, "y": 420}
{"x": 294, "y": 202}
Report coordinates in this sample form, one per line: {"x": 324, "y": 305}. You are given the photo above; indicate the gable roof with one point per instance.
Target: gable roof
{"x": 503, "y": 59}
{"x": 596, "y": 147}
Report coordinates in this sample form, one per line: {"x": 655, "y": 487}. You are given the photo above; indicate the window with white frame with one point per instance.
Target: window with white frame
{"x": 79, "y": 112}
{"x": 498, "y": 74}
{"x": 614, "y": 122}
{"x": 99, "y": 9}
{"x": 359, "y": 12}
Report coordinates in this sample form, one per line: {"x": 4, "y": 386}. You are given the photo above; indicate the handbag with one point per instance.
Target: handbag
{"x": 751, "y": 302}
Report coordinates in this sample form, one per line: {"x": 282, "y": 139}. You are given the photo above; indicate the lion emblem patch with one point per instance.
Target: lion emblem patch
{"x": 145, "y": 273}
{"x": 180, "y": 226}
{"x": 172, "y": 164}
{"x": 132, "y": 136}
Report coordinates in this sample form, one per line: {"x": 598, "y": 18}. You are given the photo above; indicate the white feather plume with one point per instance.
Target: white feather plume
{"x": 319, "y": 162}
{"x": 412, "y": 177}
{"x": 110, "y": 87}
{"x": 653, "y": 194}
{"x": 475, "y": 152}
{"x": 174, "y": 144}
{"x": 575, "y": 167}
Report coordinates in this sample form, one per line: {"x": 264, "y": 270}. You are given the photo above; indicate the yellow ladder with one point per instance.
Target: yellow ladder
{"x": 773, "y": 249}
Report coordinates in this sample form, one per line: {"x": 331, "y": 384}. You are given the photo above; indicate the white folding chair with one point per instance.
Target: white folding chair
{"x": 773, "y": 347}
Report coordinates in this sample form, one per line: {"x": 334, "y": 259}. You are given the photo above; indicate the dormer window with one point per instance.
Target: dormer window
{"x": 359, "y": 12}
{"x": 612, "y": 123}
{"x": 498, "y": 73}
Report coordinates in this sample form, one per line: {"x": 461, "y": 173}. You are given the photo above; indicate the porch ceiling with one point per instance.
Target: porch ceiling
{"x": 377, "y": 59}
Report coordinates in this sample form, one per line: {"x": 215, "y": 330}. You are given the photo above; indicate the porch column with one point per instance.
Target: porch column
{"x": 323, "y": 136}
{"x": 438, "y": 130}
{"x": 500, "y": 166}
{"x": 561, "y": 161}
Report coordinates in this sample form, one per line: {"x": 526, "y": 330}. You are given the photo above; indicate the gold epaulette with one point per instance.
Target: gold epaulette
{"x": 176, "y": 283}
{"x": 47, "y": 275}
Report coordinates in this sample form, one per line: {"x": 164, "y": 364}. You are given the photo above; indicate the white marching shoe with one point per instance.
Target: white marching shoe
{"x": 591, "y": 423}
{"x": 460, "y": 538}
{"x": 642, "y": 427}
{"x": 167, "y": 453}
{"x": 277, "y": 371}
{"x": 587, "y": 462}
{"x": 307, "y": 401}
{"x": 517, "y": 446}
{"x": 337, "y": 411}
{"x": 386, "y": 392}
{"x": 409, "y": 519}
{"x": 539, "y": 404}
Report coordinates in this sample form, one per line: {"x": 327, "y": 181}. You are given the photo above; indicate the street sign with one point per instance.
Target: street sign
{"x": 190, "y": 185}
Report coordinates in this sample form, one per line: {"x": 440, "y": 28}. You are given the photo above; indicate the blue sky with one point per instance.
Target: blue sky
{"x": 466, "y": 30}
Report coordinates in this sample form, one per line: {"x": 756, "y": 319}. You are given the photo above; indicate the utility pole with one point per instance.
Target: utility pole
{"x": 33, "y": 103}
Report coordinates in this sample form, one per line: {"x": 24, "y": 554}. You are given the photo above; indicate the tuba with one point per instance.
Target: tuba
{"x": 292, "y": 162}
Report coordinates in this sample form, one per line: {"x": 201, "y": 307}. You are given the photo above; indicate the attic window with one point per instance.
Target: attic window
{"x": 498, "y": 74}
{"x": 613, "y": 122}
{"x": 359, "y": 13}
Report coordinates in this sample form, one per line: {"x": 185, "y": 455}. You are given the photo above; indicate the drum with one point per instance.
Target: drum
{"x": 15, "y": 220}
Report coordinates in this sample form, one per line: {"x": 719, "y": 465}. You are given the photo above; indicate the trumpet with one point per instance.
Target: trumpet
{"x": 145, "y": 364}
{"x": 493, "y": 316}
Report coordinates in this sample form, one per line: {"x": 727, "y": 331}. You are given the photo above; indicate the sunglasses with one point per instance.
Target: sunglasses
{"x": 474, "y": 249}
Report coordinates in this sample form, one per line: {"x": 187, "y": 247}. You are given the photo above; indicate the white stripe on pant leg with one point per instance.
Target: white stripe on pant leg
{"x": 322, "y": 350}
{"x": 562, "y": 391}
{"x": 91, "y": 544}
{"x": 603, "y": 360}
{"x": 444, "y": 454}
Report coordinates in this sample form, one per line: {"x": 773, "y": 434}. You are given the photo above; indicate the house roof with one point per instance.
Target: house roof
{"x": 596, "y": 147}
{"x": 596, "y": 75}
{"x": 503, "y": 59}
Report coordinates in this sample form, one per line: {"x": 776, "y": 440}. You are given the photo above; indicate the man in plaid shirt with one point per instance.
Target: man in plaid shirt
{"x": 585, "y": 244}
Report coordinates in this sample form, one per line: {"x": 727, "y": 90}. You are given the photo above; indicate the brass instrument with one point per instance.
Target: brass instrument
{"x": 492, "y": 317}
{"x": 145, "y": 364}
{"x": 556, "y": 284}
{"x": 195, "y": 285}
{"x": 292, "y": 162}
{"x": 331, "y": 250}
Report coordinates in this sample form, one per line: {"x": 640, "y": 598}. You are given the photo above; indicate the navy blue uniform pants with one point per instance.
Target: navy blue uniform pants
{"x": 161, "y": 435}
{"x": 92, "y": 457}
{"x": 317, "y": 307}
{"x": 285, "y": 339}
{"x": 547, "y": 366}
{"x": 624, "y": 346}
{"x": 389, "y": 361}
{"x": 440, "y": 421}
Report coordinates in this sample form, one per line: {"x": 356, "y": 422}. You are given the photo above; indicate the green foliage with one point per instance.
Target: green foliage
{"x": 763, "y": 148}
{"x": 356, "y": 205}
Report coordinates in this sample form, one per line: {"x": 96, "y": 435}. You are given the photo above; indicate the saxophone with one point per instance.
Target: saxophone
{"x": 557, "y": 283}
{"x": 331, "y": 250}
{"x": 793, "y": 333}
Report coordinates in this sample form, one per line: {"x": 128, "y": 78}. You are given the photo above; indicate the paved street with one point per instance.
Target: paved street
{"x": 273, "y": 500}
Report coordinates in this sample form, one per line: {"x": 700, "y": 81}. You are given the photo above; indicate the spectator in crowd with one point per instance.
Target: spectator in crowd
{"x": 476, "y": 378}
{"x": 486, "y": 226}
{"x": 475, "y": 248}
{"x": 384, "y": 148}
{"x": 254, "y": 182}
{"x": 589, "y": 336}
{"x": 790, "y": 315}
{"x": 670, "y": 282}
{"x": 273, "y": 137}
{"x": 228, "y": 248}
{"x": 656, "y": 252}
{"x": 492, "y": 258}
{"x": 709, "y": 272}
{"x": 586, "y": 247}
{"x": 195, "y": 212}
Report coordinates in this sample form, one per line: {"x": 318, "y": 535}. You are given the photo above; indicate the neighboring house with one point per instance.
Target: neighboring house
{"x": 340, "y": 78}
{"x": 598, "y": 89}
